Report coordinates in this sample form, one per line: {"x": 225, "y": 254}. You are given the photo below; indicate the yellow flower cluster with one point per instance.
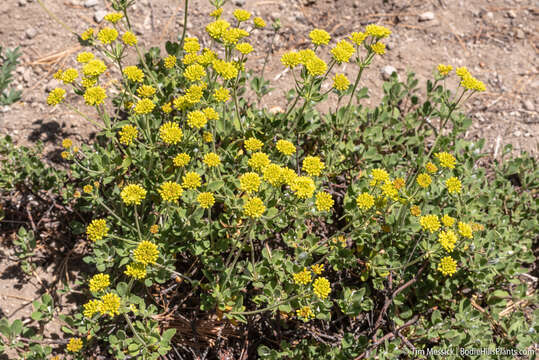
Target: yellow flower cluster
{"x": 446, "y": 160}
{"x": 379, "y": 48}
{"x": 85, "y": 57}
{"x": 136, "y": 270}
{"x": 343, "y": 51}
{"x": 94, "y": 68}
{"x": 196, "y": 119}
{"x": 146, "y": 253}
{"x": 133, "y": 194}
{"x": 69, "y": 75}
{"x": 303, "y": 187}
{"x": 221, "y": 94}
{"x": 74, "y": 345}
{"x": 358, "y": 37}
{"x": 313, "y": 165}
{"x": 107, "y": 35}
{"x": 206, "y": 200}
{"x": 431, "y": 168}
{"x": 191, "y": 180}
{"x": 430, "y": 223}
{"x": 133, "y": 73}
{"x": 448, "y": 221}
{"x": 97, "y": 229}
{"x": 170, "y": 133}
{"x": 319, "y": 37}
{"x": 109, "y": 304}
{"x": 146, "y": 91}
{"x": 273, "y": 174}
{"x": 453, "y": 185}
{"x": 129, "y": 38}
{"x": 447, "y": 239}
{"x": 253, "y": 144}
{"x": 170, "y": 61}
{"x": 259, "y": 161}
{"x": 170, "y": 191}
{"x": 114, "y": 17}
{"x": 365, "y": 201}
{"x": 318, "y": 269}
{"x": 181, "y": 160}
{"x": 99, "y": 282}
{"x": 194, "y": 72}
{"x": 242, "y": 15}
{"x": 305, "y": 313}
{"x": 212, "y": 159}
{"x": 321, "y": 287}
{"x": 303, "y": 277}
{"x": 95, "y": 95}
{"x": 56, "y": 96}
{"x": 444, "y": 70}
{"x": 377, "y": 31}
{"x": 254, "y": 207}
{"x": 244, "y": 48}
{"x": 324, "y": 202}
{"x": 447, "y": 266}
{"x": 227, "y": 70}
{"x": 285, "y": 147}
{"x": 341, "y": 82}
{"x": 465, "y": 230}
{"x": 250, "y": 182}
{"x": 424, "y": 180}
{"x": 144, "y": 106}
{"x": 468, "y": 81}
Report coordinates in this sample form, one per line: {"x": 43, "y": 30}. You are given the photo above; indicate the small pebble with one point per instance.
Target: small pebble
{"x": 427, "y": 16}
{"x": 31, "y": 33}
{"x": 512, "y": 14}
{"x": 520, "y": 34}
{"x": 528, "y": 105}
{"x": 22, "y": 2}
{"x": 99, "y": 15}
{"x": 239, "y": 2}
{"x": 90, "y": 3}
{"x": 387, "y": 71}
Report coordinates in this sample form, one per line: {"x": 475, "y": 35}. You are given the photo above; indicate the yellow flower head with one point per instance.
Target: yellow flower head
{"x": 242, "y": 15}
{"x": 191, "y": 45}
{"x": 318, "y": 269}
{"x": 107, "y": 35}
{"x": 167, "y": 108}
{"x": 447, "y": 266}
{"x": 99, "y": 282}
{"x": 447, "y": 239}
{"x": 170, "y": 191}
{"x": 303, "y": 187}
{"x": 88, "y": 82}
{"x": 324, "y": 202}
{"x": 144, "y": 106}
{"x": 244, "y": 48}
{"x": 471, "y": 83}
{"x": 133, "y": 194}
{"x": 341, "y": 82}
{"x": 207, "y": 136}
{"x": 210, "y": 113}
{"x": 170, "y": 133}
{"x": 446, "y": 160}
{"x": 217, "y": 13}
{"x": 67, "y": 143}
{"x": 181, "y": 160}
{"x": 88, "y": 188}
{"x": 377, "y": 31}
{"x": 379, "y": 175}
{"x": 212, "y": 159}
{"x": 56, "y": 96}
{"x": 146, "y": 253}
{"x": 379, "y": 48}
{"x": 254, "y": 207}
{"x": 288, "y": 176}
{"x": 365, "y": 201}
{"x": 94, "y": 68}
{"x": 146, "y": 91}
{"x": 390, "y": 191}
{"x": 448, "y": 221}
{"x": 221, "y": 94}
{"x": 319, "y": 37}
{"x": 285, "y": 147}
{"x": 465, "y": 230}
{"x": 290, "y": 59}
{"x": 114, "y": 17}
{"x": 259, "y": 22}
{"x": 129, "y": 39}
{"x": 313, "y": 165}
{"x": 321, "y": 287}
{"x": 217, "y": 28}
{"x": 69, "y": 75}
{"x": 398, "y": 183}
{"x": 194, "y": 72}
{"x": 424, "y": 180}
{"x": 358, "y": 37}
{"x": 462, "y": 71}
{"x": 87, "y": 34}
{"x": 343, "y": 51}
{"x": 250, "y": 182}
{"x": 273, "y": 174}
{"x": 85, "y": 57}
{"x": 74, "y": 345}
{"x": 453, "y": 185}
{"x": 444, "y": 70}
{"x": 206, "y": 200}
{"x": 191, "y": 180}
{"x": 415, "y": 210}
{"x": 259, "y": 161}
{"x": 253, "y": 144}
{"x": 170, "y": 61}
{"x": 91, "y": 307}
{"x": 97, "y": 229}
{"x": 430, "y": 223}
{"x": 133, "y": 73}
{"x": 431, "y": 168}
{"x": 95, "y": 95}
{"x": 305, "y": 313}
{"x": 227, "y": 70}
{"x": 136, "y": 270}
{"x": 154, "y": 229}
{"x": 196, "y": 119}
{"x": 194, "y": 93}
{"x": 303, "y": 277}
{"x": 316, "y": 66}
{"x": 109, "y": 305}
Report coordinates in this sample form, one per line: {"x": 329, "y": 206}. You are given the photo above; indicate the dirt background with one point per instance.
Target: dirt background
{"x": 496, "y": 40}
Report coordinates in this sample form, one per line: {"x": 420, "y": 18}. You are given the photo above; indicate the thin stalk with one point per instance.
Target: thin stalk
{"x": 136, "y": 222}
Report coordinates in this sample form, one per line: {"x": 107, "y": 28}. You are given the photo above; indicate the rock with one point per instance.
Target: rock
{"x": 426, "y": 16}
{"x": 27, "y": 75}
{"x": 22, "y": 2}
{"x": 99, "y": 15}
{"x": 512, "y": 14}
{"x": 19, "y": 69}
{"x": 489, "y": 15}
{"x": 51, "y": 85}
{"x": 30, "y": 33}
{"x": 275, "y": 15}
{"x": 239, "y": 2}
{"x": 520, "y": 34}
{"x": 91, "y": 3}
{"x": 517, "y": 133}
{"x": 528, "y": 105}
{"x": 387, "y": 71}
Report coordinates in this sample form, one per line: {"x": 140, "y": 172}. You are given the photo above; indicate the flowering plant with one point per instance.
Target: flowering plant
{"x": 367, "y": 220}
